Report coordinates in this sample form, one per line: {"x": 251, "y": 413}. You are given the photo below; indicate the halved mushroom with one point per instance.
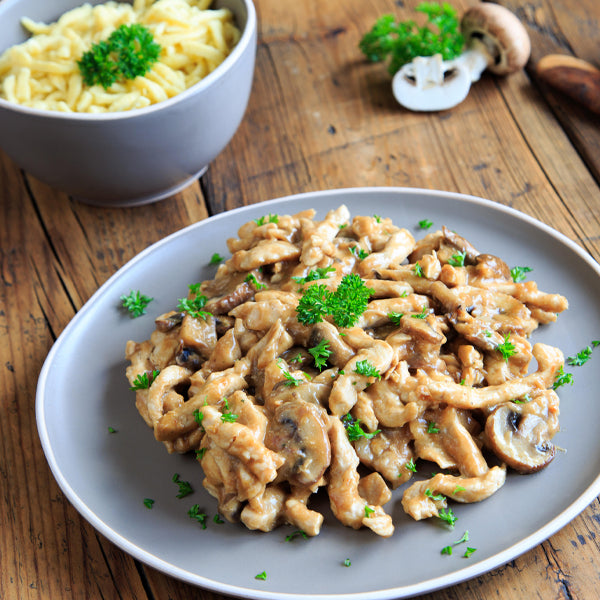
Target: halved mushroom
{"x": 496, "y": 32}
{"x": 519, "y": 439}
{"x": 298, "y": 432}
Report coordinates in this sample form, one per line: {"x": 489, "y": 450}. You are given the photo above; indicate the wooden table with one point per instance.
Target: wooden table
{"x": 319, "y": 117}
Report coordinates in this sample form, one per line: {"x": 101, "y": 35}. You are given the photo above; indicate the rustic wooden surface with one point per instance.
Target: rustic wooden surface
{"x": 319, "y": 117}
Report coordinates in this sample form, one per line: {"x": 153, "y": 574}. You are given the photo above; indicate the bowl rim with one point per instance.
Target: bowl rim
{"x": 248, "y": 34}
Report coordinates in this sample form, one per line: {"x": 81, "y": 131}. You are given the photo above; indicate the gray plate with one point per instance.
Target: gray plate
{"x": 82, "y": 391}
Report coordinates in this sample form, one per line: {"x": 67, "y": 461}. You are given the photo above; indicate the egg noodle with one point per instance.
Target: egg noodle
{"x": 43, "y": 72}
{"x": 342, "y": 355}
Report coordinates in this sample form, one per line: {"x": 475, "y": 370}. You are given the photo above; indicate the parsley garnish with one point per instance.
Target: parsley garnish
{"x": 112, "y": 430}
{"x": 434, "y": 497}
{"x": 200, "y": 452}
{"x": 377, "y": 218}
{"x": 345, "y": 305}
{"x": 368, "y": 511}
{"x": 347, "y": 562}
{"x": 194, "y": 307}
{"x": 518, "y": 273}
{"x": 458, "y": 488}
{"x": 506, "y": 348}
{"x": 228, "y": 416}
{"x": 143, "y": 381}
{"x": 251, "y": 278}
{"x": 261, "y": 576}
{"x": 468, "y": 552}
{"x": 354, "y": 429}
{"x": 364, "y": 367}
{"x": 129, "y": 52}
{"x": 458, "y": 259}
{"x": 447, "y": 550}
{"x": 215, "y": 259}
{"x": 418, "y": 270}
{"x": 196, "y": 514}
{"x": 148, "y": 502}
{"x": 411, "y": 466}
{"x": 448, "y": 516}
{"x": 526, "y": 398}
{"x": 580, "y": 358}
{"x": 395, "y": 317}
{"x": 402, "y": 42}
{"x": 295, "y": 534}
{"x": 314, "y": 274}
{"x": 425, "y": 224}
{"x": 217, "y": 519}
{"x": 320, "y": 353}
{"x": 359, "y": 252}
{"x": 464, "y": 538}
{"x": 267, "y": 219}
{"x": 185, "y": 489}
{"x": 561, "y": 378}
{"x": 432, "y": 427}
{"x": 135, "y": 303}
{"x": 424, "y": 312}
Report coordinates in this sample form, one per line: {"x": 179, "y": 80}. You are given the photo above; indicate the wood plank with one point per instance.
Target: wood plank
{"x": 47, "y": 549}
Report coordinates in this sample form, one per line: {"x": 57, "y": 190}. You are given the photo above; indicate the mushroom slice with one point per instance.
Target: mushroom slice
{"x": 298, "y": 432}
{"x": 521, "y": 440}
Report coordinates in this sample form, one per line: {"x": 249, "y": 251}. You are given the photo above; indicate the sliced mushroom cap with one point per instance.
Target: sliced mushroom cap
{"x": 499, "y": 33}
{"x": 490, "y": 267}
{"x": 169, "y": 320}
{"x": 519, "y": 439}
{"x": 298, "y": 432}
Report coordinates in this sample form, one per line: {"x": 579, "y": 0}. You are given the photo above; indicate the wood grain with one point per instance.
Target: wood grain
{"x": 319, "y": 117}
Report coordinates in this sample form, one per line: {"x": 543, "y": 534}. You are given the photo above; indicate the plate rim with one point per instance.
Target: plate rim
{"x": 430, "y": 585}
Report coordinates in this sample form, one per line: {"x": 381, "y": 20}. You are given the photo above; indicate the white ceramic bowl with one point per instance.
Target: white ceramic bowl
{"x": 131, "y": 157}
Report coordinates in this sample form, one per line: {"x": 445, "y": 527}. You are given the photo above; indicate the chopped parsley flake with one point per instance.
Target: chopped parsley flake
{"x": 197, "y": 515}
{"x": 215, "y": 259}
{"x": 354, "y": 429}
{"x": 418, "y": 270}
{"x": 395, "y": 317}
{"x": 135, "y": 303}
{"x": 424, "y": 312}
{"x": 267, "y": 219}
{"x": 468, "y": 552}
{"x": 432, "y": 427}
{"x": 359, "y": 252}
{"x": 448, "y": 516}
{"x": 200, "y": 452}
{"x": 143, "y": 381}
{"x": 410, "y": 465}
{"x": 458, "y": 259}
{"x": 581, "y": 357}
{"x": 447, "y": 550}
{"x": 425, "y": 224}
{"x": 464, "y": 538}
{"x": 561, "y": 378}
{"x": 262, "y": 576}
{"x": 458, "y": 488}
{"x": 434, "y": 497}
{"x": 314, "y": 274}
{"x": 506, "y": 348}
{"x": 320, "y": 353}
{"x": 185, "y": 489}
{"x": 347, "y": 562}
{"x": 148, "y": 502}
{"x": 251, "y": 278}
{"x": 217, "y": 519}
{"x": 112, "y": 430}
{"x": 368, "y": 511}
{"x": 194, "y": 307}
{"x": 295, "y": 534}
{"x": 364, "y": 367}
{"x": 518, "y": 274}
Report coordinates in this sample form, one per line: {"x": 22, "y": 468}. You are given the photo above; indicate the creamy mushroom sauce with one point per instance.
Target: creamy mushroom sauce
{"x": 445, "y": 393}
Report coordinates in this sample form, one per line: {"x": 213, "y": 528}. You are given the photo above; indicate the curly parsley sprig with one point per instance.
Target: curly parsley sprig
{"x": 129, "y": 52}
{"x": 402, "y": 42}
